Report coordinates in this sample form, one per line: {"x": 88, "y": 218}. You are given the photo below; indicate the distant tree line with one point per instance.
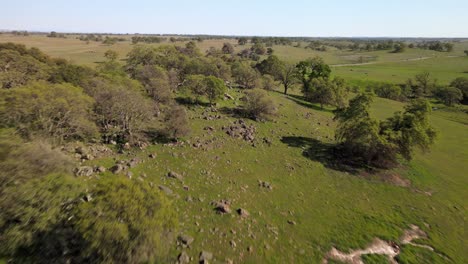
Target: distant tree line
{"x": 147, "y": 39}
{"x": 54, "y": 34}
{"x": 436, "y": 46}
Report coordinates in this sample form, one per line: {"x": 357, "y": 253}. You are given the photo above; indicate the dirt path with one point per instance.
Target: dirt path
{"x": 378, "y": 246}
{"x": 375, "y": 62}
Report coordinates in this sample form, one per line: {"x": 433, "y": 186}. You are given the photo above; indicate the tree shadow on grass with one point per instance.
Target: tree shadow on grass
{"x": 328, "y": 154}
{"x": 300, "y": 100}
{"x": 190, "y": 102}
{"x": 236, "y": 112}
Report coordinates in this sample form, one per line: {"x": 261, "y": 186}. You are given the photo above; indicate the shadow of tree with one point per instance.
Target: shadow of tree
{"x": 300, "y": 100}
{"x": 328, "y": 154}
{"x": 190, "y": 102}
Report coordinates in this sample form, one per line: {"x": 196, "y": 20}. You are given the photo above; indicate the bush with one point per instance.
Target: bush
{"x": 268, "y": 82}
{"x": 462, "y": 84}
{"x": 34, "y": 219}
{"x": 449, "y": 95}
{"x": 214, "y": 88}
{"x": 244, "y": 74}
{"x": 125, "y": 222}
{"x": 122, "y": 112}
{"x": 176, "y": 122}
{"x": 61, "y": 111}
{"x": 258, "y": 105}
{"x": 155, "y": 81}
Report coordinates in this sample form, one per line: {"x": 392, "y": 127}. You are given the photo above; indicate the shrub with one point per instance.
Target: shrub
{"x": 61, "y": 111}
{"x": 125, "y": 222}
{"x": 122, "y": 112}
{"x": 258, "y": 105}
{"x": 176, "y": 122}
{"x": 268, "y": 82}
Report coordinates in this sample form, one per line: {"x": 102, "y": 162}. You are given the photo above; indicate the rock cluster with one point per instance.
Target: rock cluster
{"x": 239, "y": 129}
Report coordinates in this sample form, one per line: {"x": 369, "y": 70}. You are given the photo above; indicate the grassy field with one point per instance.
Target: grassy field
{"x": 311, "y": 207}
{"x": 385, "y": 66}
{"x": 327, "y": 207}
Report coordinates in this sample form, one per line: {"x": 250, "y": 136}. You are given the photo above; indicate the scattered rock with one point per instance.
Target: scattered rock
{"x": 183, "y": 258}
{"x": 117, "y": 168}
{"x": 209, "y": 128}
{"x": 242, "y": 212}
{"x": 233, "y": 243}
{"x": 152, "y": 155}
{"x": 185, "y": 240}
{"x": 240, "y": 130}
{"x": 100, "y": 169}
{"x": 223, "y": 207}
{"x": 86, "y": 171}
{"x": 166, "y": 190}
{"x": 291, "y": 222}
{"x": 264, "y": 184}
{"x": 205, "y": 256}
{"x": 133, "y": 162}
{"x": 175, "y": 175}
{"x": 129, "y": 174}
{"x": 228, "y": 96}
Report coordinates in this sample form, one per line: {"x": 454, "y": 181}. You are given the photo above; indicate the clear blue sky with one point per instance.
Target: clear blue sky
{"x": 405, "y": 18}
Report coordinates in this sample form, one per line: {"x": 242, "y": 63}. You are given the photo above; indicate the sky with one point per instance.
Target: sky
{"x": 312, "y": 18}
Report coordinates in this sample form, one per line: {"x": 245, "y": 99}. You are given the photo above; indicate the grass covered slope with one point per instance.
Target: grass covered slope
{"x": 310, "y": 207}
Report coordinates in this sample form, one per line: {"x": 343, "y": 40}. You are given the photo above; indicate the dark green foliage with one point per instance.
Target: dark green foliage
{"x": 111, "y": 55}
{"x": 209, "y": 86}
{"x": 228, "y": 48}
{"x": 244, "y": 74}
{"x": 125, "y": 222}
{"x": 242, "y": 40}
{"x": 61, "y": 111}
{"x": 327, "y": 92}
{"x": 71, "y": 73}
{"x": 450, "y": 96}
{"x": 121, "y": 110}
{"x": 34, "y": 220}
{"x": 462, "y": 84}
{"x": 214, "y": 88}
{"x": 258, "y": 48}
{"x": 436, "y": 46}
{"x": 310, "y": 69}
{"x": 399, "y": 47}
{"x": 21, "y": 162}
{"x": 410, "y": 129}
{"x": 359, "y": 133}
{"x": 387, "y": 90}
{"x": 18, "y": 69}
{"x": 368, "y": 141}
{"x": 147, "y": 39}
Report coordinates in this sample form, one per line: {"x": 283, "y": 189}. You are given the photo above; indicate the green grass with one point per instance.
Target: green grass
{"x": 330, "y": 208}
{"x": 375, "y": 259}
